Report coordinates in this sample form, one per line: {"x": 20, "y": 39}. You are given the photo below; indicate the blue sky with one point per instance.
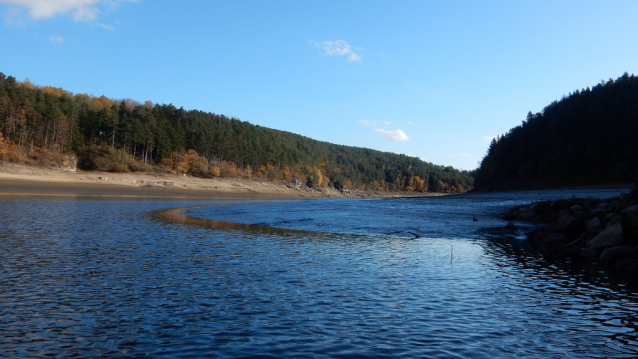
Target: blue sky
{"x": 433, "y": 79}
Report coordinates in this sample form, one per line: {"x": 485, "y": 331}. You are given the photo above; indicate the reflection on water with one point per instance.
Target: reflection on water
{"x": 94, "y": 278}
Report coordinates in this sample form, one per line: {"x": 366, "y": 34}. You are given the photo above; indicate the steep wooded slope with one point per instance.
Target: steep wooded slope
{"x": 588, "y": 137}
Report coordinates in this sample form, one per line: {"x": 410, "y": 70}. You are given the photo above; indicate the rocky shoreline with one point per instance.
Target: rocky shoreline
{"x": 588, "y": 230}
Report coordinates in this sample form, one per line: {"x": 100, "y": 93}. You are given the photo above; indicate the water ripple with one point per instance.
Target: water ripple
{"x": 103, "y": 279}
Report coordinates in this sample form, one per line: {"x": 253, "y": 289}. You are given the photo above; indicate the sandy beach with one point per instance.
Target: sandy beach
{"x": 20, "y": 180}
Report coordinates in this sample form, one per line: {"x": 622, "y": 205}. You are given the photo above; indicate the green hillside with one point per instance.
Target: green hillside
{"x": 125, "y": 135}
{"x": 588, "y": 137}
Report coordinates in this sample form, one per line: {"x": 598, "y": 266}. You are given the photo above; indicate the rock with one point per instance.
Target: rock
{"x": 535, "y": 237}
{"x": 617, "y": 252}
{"x": 577, "y": 208}
{"x": 631, "y": 216}
{"x": 620, "y": 205}
{"x": 610, "y": 236}
{"x": 627, "y": 267}
{"x": 616, "y": 219}
{"x": 603, "y": 205}
{"x": 588, "y": 253}
{"x": 593, "y": 225}
{"x": 573, "y": 251}
{"x": 608, "y": 217}
{"x": 568, "y": 224}
{"x": 526, "y": 214}
{"x": 554, "y": 242}
{"x": 510, "y": 216}
{"x": 564, "y": 221}
{"x": 510, "y": 226}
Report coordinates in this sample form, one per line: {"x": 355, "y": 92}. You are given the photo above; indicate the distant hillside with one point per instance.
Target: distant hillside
{"x": 588, "y": 137}
{"x": 127, "y": 136}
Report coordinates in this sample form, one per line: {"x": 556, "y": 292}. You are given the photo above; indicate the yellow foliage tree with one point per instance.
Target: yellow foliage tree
{"x": 286, "y": 175}
{"x": 319, "y": 176}
{"x": 3, "y": 145}
{"x": 419, "y": 184}
{"x": 215, "y": 171}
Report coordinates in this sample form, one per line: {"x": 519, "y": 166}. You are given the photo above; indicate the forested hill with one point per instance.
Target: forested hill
{"x": 588, "y": 137}
{"x": 127, "y": 136}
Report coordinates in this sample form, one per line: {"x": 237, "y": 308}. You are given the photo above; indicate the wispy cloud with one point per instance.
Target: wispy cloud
{"x": 396, "y": 135}
{"x": 12, "y": 16}
{"x": 106, "y": 27}
{"x": 44, "y": 9}
{"x": 421, "y": 158}
{"x": 367, "y": 123}
{"x": 56, "y": 40}
{"x": 387, "y": 122}
{"x": 338, "y": 48}
{"x": 409, "y": 122}
{"x": 489, "y": 138}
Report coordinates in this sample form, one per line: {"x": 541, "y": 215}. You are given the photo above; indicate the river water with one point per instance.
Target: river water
{"x": 334, "y": 278}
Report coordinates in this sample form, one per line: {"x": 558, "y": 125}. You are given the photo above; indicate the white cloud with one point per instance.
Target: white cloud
{"x": 56, "y": 40}
{"x": 354, "y": 57}
{"x": 421, "y": 158}
{"x": 409, "y": 122}
{"x": 489, "y": 138}
{"x": 367, "y": 123}
{"x": 387, "y": 122}
{"x": 12, "y": 16}
{"x": 44, "y": 9}
{"x": 397, "y": 135}
{"x": 104, "y": 26}
{"x": 337, "y": 47}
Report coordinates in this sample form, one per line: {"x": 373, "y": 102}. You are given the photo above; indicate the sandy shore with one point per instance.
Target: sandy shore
{"x": 19, "y": 180}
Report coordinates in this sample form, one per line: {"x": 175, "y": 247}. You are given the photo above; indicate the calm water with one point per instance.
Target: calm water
{"x": 91, "y": 278}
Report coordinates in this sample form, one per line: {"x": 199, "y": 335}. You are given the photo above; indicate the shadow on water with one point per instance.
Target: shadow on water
{"x": 513, "y": 249}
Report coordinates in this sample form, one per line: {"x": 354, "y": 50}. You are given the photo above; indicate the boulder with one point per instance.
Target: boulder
{"x": 535, "y": 237}
{"x": 588, "y": 253}
{"x": 627, "y": 267}
{"x": 603, "y": 205}
{"x": 631, "y": 216}
{"x": 568, "y": 224}
{"x": 554, "y": 242}
{"x": 526, "y": 214}
{"x": 610, "y": 236}
{"x": 593, "y": 225}
{"x": 617, "y": 252}
{"x": 564, "y": 221}
{"x": 608, "y": 217}
{"x": 577, "y": 208}
{"x": 620, "y": 205}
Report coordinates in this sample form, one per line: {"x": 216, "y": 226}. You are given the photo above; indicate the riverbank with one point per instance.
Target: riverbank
{"x": 30, "y": 180}
{"x": 552, "y": 186}
{"x": 588, "y": 230}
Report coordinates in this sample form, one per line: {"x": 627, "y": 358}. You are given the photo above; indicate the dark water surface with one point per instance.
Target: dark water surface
{"x": 90, "y": 278}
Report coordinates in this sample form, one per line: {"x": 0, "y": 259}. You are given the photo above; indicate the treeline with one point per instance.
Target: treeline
{"x": 588, "y": 137}
{"x": 128, "y": 136}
